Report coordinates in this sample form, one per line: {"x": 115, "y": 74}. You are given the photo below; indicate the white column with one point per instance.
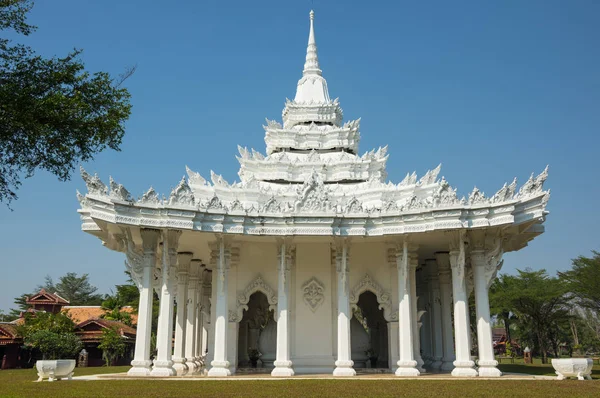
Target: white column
{"x": 413, "y": 264}
{"x": 443, "y": 261}
{"x": 141, "y": 364}
{"x": 436, "y": 315}
{"x": 283, "y": 363}
{"x": 463, "y": 365}
{"x": 219, "y": 364}
{"x": 483, "y": 274}
{"x": 199, "y": 352}
{"x": 344, "y": 363}
{"x": 183, "y": 268}
{"x": 192, "y": 309}
{"x": 163, "y": 363}
{"x": 424, "y": 315}
{"x": 407, "y": 366}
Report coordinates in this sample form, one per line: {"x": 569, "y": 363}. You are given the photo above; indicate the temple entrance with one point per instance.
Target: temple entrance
{"x": 369, "y": 334}
{"x": 257, "y": 341}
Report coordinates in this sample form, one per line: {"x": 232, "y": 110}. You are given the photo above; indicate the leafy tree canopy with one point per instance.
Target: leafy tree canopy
{"x": 77, "y": 289}
{"x": 583, "y": 281}
{"x": 53, "y": 113}
{"x": 57, "y": 323}
{"x": 112, "y": 345}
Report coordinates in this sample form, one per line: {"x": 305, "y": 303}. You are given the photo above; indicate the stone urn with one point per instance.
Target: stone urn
{"x": 267, "y": 343}
{"x": 573, "y": 367}
{"x": 360, "y": 343}
{"x": 55, "y": 369}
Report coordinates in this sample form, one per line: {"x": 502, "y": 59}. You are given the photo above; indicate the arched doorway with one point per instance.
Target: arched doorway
{"x": 257, "y": 333}
{"x": 369, "y": 333}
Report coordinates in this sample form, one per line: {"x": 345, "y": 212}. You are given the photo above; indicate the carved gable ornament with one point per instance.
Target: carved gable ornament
{"x": 313, "y": 293}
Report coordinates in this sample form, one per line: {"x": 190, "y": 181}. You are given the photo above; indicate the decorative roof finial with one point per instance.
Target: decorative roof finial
{"x": 311, "y": 66}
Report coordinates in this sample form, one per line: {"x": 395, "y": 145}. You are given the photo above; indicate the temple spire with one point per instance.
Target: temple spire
{"x": 312, "y": 87}
{"x": 311, "y": 66}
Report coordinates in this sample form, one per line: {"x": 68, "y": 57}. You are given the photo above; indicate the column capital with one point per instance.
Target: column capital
{"x": 184, "y": 260}
{"x": 195, "y": 270}
{"x": 172, "y": 236}
{"x": 149, "y": 240}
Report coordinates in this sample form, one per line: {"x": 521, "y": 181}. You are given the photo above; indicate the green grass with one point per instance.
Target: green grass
{"x": 19, "y": 383}
{"x": 537, "y": 368}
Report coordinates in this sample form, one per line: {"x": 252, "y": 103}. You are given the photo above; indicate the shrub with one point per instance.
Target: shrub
{"x": 54, "y": 345}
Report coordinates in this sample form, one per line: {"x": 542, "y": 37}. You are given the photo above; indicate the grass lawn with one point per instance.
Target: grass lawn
{"x": 19, "y": 383}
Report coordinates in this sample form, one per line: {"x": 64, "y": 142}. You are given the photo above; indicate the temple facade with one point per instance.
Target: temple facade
{"x": 313, "y": 262}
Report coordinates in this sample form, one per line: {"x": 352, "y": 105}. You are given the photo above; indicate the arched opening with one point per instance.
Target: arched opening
{"x": 369, "y": 333}
{"x": 257, "y": 338}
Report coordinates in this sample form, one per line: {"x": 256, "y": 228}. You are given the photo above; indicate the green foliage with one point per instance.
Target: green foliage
{"x": 76, "y": 289}
{"x": 53, "y": 113}
{"x": 539, "y": 304}
{"x": 112, "y": 346}
{"x": 56, "y": 323}
{"x": 54, "y": 345}
{"x": 500, "y": 303}
{"x": 583, "y": 281}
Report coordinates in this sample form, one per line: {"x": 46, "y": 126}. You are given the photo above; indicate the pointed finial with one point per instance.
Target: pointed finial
{"x": 311, "y": 66}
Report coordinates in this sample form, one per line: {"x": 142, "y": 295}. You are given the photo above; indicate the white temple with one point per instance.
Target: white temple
{"x": 313, "y": 259}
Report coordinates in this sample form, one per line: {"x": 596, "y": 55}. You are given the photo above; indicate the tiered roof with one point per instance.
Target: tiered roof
{"x": 312, "y": 139}
{"x": 312, "y": 181}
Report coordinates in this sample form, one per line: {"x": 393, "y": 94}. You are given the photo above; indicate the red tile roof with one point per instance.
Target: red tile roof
{"x": 8, "y": 333}
{"x": 43, "y": 297}
{"x": 91, "y": 329}
{"x": 82, "y": 313}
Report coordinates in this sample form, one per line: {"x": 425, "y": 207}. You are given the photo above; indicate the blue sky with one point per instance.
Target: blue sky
{"x": 492, "y": 90}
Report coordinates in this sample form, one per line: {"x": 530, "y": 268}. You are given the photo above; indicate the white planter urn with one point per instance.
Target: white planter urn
{"x": 55, "y": 369}
{"x": 573, "y": 367}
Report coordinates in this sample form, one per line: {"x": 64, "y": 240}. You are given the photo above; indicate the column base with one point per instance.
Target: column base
{"x": 163, "y": 368}
{"x": 407, "y": 369}
{"x": 219, "y": 369}
{"x": 140, "y": 368}
{"x": 447, "y": 365}
{"x": 180, "y": 366}
{"x": 344, "y": 369}
{"x": 436, "y": 364}
{"x": 464, "y": 369}
{"x": 192, "y": 366}
{"x": 282, "y": 369}
{"x": 420, "y": 364}
{"x": 488, "y": 369}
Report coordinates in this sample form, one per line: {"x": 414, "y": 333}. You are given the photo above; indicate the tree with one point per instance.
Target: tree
{"x": 57, "y": 323}
{"x": 500, "y": 303}
{"x": 53, "y": 335}
{"x": 77, "y": 289}
{"x": 540, "y": 304}
{"x": 583, "y": 281}
{"x": 112, "y": 345}
{"x": 53, "y": 113}
{"x": 53, "y": 345}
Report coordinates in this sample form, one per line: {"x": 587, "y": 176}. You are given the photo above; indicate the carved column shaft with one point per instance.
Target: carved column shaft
{"x": 445, "y": 275}
{"x": 163, "y": 364}
{"x": 283, "y": 363}
{"x": 219, "y": 364}
{"x": 179, "y": 359}
{"x": 416, "y": 335}
{"x": 141, "y": 363}
{"x": 482, "y": 276}
{"x": 436, "y": 315}
{"x": 407, "y": 366}
{"x": 344, "y": 364}
{"x": 463, "y": 365}
{"x": 192, "y": 309}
